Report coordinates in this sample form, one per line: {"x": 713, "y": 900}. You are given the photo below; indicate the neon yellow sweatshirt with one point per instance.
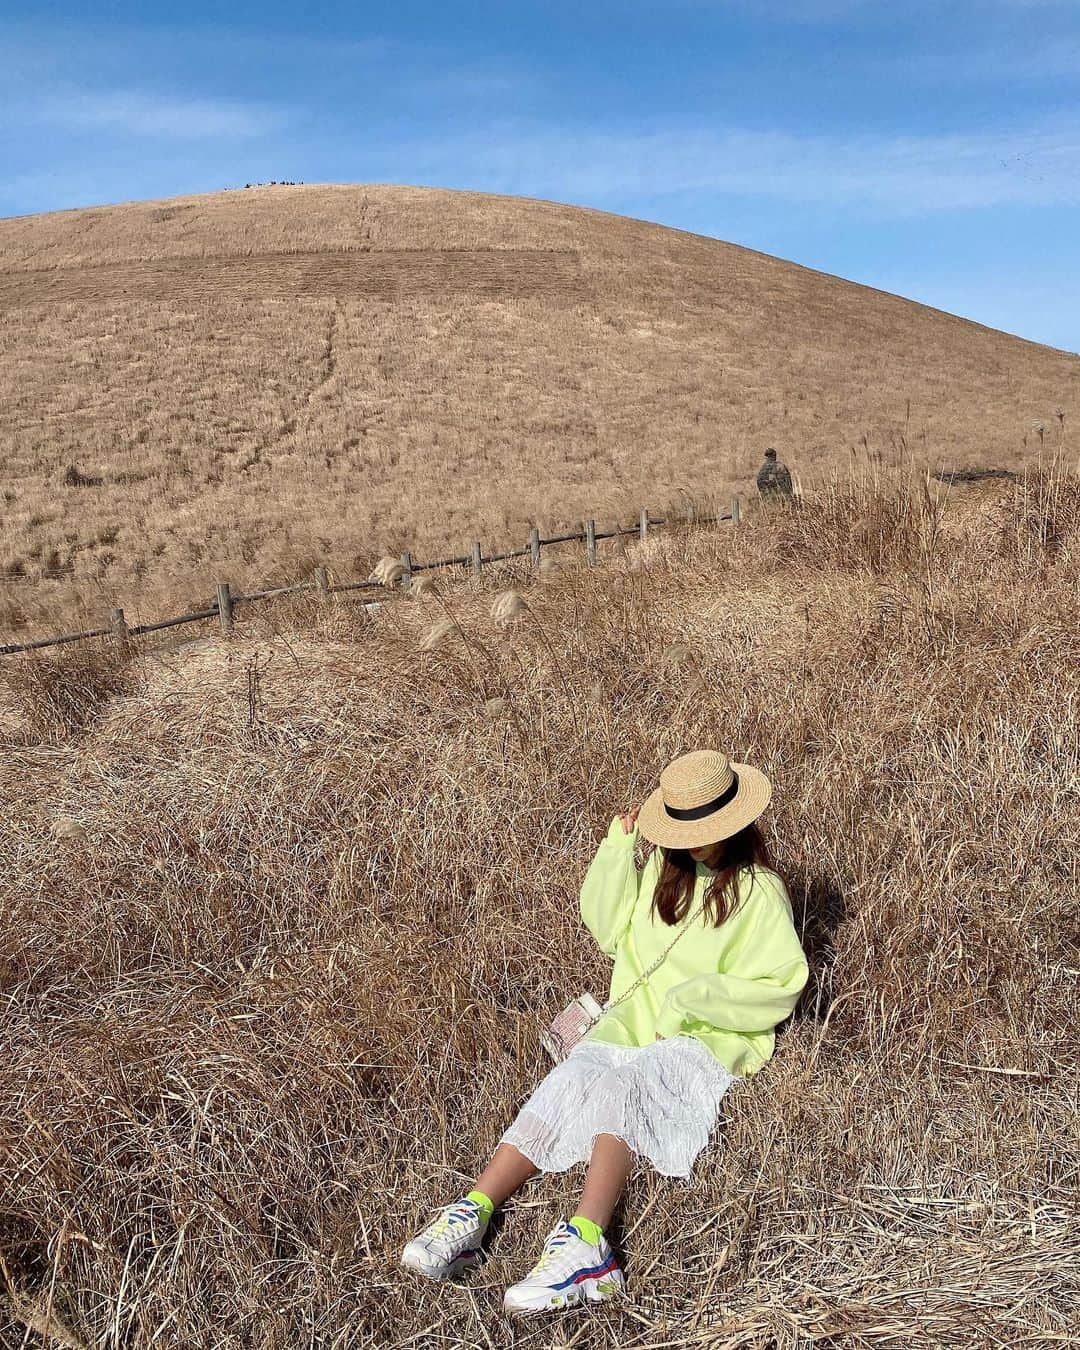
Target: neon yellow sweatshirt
{"x": 728, "y": 986}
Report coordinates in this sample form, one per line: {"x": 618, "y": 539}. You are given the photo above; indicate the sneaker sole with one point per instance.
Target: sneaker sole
{"x": 588, "y": 1291}
{"x": 415, "y": 1262}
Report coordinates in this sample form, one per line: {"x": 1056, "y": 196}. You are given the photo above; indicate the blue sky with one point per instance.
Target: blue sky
{"x": 925, "y": 147}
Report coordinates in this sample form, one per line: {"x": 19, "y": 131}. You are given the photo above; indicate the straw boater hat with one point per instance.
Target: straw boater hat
{"x": 703, "y": 797}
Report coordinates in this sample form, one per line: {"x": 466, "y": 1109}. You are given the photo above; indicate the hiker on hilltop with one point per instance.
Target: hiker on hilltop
{"x": 773, "y": 478}
{"x": 645, "y": 1074}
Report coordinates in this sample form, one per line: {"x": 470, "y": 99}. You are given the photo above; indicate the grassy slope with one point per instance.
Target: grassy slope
{"x": 282, "y": 915}
{"x": 400, "y": 389}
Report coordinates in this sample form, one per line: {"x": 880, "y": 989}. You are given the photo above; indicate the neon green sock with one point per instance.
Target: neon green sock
{"x": 484, "y": 1201}
{"x": 587, "y": 1230}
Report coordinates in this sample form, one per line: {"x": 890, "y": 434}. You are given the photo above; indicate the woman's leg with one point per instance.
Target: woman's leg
{"x": 565, "y": 1273}
{"x": 608, "y": 1169}
{"x": 452, "y": 1241}
{"x": 508, "y": 1170}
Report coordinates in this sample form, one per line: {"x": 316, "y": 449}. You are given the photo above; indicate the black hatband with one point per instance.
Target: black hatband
{"x": 697, "y": 812}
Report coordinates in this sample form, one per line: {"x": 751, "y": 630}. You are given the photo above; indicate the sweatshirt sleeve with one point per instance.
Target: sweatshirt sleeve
{"x": 610, "y": 888}
{"x": 761, "y": 977}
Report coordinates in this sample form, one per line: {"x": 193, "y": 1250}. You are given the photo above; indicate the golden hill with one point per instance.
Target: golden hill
{"x": 242, "y": 384}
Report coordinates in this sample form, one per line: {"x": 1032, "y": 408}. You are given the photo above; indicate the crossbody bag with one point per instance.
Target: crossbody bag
{"x": 582, "y": 1013}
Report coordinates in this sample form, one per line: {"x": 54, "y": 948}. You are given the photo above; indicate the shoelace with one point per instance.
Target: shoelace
{"x": 557, "y": 1240}
{"x": 457, "y": 1214}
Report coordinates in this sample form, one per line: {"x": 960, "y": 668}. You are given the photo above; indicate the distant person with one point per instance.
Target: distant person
{"x": 684, "y": 1021}
{"x": 773, "y": 479}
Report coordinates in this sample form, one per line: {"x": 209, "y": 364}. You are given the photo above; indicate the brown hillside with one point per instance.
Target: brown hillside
{"x": 236, "y": 385}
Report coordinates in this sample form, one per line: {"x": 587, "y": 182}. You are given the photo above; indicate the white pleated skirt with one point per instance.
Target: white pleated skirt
{"x": 662, "y": 1100}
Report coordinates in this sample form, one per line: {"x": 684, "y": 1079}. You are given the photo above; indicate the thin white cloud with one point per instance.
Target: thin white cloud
{"x": 144, "y": 113}
{"x": 877, "y": 175}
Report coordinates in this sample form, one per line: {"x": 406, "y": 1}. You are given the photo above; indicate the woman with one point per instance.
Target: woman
{"x": 707, "y": 962}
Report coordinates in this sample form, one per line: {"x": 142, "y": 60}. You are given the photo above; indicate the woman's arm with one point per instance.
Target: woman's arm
{"x": 762, "y": 977}
{"x": 610, "y": 887}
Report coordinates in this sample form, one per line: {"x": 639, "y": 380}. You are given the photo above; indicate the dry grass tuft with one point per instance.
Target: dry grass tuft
{"x": 60, "y": 691}
{"x": 677, "y": 654}
{"x": 64, "y": 827}
{"x": 44, "y": 1322}
{"x": 423, "y": 585}
{"x": 290, "y": 995}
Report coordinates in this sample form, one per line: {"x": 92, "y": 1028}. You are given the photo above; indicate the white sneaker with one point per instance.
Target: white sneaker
{"x": 449, "y": 1244}
{"x": 570, "y": 1270}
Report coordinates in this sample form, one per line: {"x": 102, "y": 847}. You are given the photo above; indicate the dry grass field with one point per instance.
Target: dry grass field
{"x": 283, "y": 912}
{"x": 233, "y": 387}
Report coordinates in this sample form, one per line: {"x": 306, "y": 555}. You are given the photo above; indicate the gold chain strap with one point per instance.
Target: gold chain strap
{"x": 657, "y": 963}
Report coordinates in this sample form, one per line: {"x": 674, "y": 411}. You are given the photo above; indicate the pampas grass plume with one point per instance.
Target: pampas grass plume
{"x": 507, "y": 607}
{"x": 387, "y": 571}
{"x": 66, "y": 827}
{"x": 436, "y": 633}
{"x": 677, "y": 654}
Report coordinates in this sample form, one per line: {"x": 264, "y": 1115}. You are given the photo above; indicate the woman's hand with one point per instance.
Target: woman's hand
{"x": 628, "y": 819}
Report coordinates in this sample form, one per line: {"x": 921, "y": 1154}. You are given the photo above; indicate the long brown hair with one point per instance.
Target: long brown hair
{"x": 674, "y": 891}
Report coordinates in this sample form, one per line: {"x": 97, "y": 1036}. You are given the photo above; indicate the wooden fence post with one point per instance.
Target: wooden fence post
{"x": 225, "y": 605}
